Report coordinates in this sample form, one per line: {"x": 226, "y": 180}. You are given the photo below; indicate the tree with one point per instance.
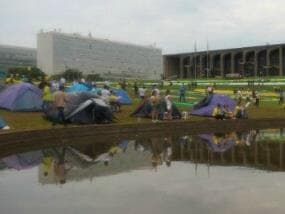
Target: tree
{"x": 72, "y": 74}
{"x": 31, "y": 73}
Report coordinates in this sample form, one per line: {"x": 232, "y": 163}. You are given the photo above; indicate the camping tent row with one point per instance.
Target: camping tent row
{"x": 27, "y": 97}
{"x": 84, "y": 107}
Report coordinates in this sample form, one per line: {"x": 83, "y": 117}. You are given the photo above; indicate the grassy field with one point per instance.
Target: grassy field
{"x": 269, "y": 108}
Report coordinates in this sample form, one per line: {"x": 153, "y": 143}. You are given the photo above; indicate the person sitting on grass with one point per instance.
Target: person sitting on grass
{"x": 228, "y": 114}
{"x": 240, "y": 111}
{"x": 218, "y": 112}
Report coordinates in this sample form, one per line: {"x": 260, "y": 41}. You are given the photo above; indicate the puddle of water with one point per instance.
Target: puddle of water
{"x": 208, "y": 173}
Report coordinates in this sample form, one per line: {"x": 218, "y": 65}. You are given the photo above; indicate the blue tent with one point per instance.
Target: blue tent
{"x": 124, "y": 97}
{"x": 206, "y": 106}
{"x": 78, "y": 87}
{"x": 83, "y": 108}
{"x": 21, "y": 97}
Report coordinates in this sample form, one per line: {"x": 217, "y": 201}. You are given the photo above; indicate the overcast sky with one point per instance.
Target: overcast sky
{"x": 172, "y": 25}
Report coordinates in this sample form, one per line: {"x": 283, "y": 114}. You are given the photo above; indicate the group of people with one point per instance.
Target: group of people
{"x": 247, "y": 96}
{"x": 222, "y": 112}
{"x": 155, "y": 101}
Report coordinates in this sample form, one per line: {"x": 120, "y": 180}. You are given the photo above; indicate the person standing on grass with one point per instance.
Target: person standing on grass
{"x": 257, "y": 99}
{"x": 281, "y": 97}
{"x": 182, "y": 92}
{"x": 59, "y": 100}
{"x": 154, "y": 101}
{"x": 47, "y": 96}
{"x": 168, "y": 102}
{"x": 239, "y": 96}
{"x": 141, "y": 92}
{"x": 136, "y": 89}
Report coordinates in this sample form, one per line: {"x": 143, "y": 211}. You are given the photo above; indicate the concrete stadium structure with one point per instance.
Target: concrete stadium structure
{"x": 255, "y": 61}
{"x": 57, "y": 52}
{"x": 12, "y": 56}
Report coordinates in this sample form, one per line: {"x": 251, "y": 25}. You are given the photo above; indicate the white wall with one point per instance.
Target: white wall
{"x": 45, "y": 53}
{"x": 104, "y": 57}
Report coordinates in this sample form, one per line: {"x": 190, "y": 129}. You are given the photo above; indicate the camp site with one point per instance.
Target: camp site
{"x": 142, "y": 107}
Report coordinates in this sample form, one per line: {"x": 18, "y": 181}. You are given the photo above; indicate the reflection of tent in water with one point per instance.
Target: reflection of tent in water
{"x": 123, "y": 96}
{"x": 206, "y": 106}
{"x": 78, "y": 87}
{"x": 144, "y": 110}
{"x": 21, "y": 97}
{"x": 121, "y": 162}
{"x": 217, "y": 142}
{"x": 24, "y": 160}
{"x": 83, "y": 107}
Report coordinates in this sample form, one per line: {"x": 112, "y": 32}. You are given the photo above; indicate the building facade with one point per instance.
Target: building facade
{"x": 12, "y": 56}
{"x": 258, "y": 61}
{"x": 57, "y": 52}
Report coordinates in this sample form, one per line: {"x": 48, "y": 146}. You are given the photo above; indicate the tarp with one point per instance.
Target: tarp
{"x": 206, "y": 106}
{"x": 78, "y": 87}
{"x": 21, "y": 97}
{"x": 144, "y": 110}
{"x": 83, "y": 108}
{"x": 217, "y": 142}
{"x": 123, "y": 96}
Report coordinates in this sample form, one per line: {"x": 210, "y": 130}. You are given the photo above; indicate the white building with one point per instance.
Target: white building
{"x": 13, "y": 56}
{"x": 57, "y": 52}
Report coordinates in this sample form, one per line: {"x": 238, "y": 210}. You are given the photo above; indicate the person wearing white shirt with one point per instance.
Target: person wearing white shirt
{"x": 142, "y": 92}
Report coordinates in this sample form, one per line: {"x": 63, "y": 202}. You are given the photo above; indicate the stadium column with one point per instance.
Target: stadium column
{"x": 243, "y": 62}
{"x": 189, "y": 68}
{"x": 211, "y": 68}
{"x": 201, "y": 66}
{"x": 232, "y": 62}
{"x": 255, "y": 63}
{"x": 280, "y": 61}
{"x": 222, "y": 65}
{"x": 181, "y": 67}
{"x": 267, "y": 61}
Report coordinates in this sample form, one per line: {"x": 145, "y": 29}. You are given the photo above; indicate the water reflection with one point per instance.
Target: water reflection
{"x": 261, "y": 149}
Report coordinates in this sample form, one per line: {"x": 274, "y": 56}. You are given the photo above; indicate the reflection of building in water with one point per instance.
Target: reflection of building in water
{"x": 81, "y": 168}
{"x": 263, "y": 155}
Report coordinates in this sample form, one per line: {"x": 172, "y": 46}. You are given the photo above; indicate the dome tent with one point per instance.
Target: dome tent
{"x": 144, "y": 110}
{"x": 78, "y": 87}
{"x": 206, "y": 106}
{"x": 21, "y": 97}
{"x": 83, "y": 108}
{"x": 123, "y": 96}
